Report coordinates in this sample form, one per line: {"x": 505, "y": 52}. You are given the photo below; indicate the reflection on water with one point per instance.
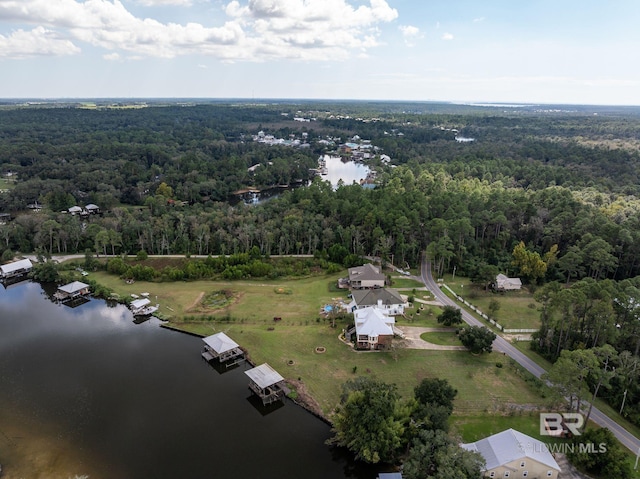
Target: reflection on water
{"x": 137, "y": 401}
{"x": 346, "y": 172}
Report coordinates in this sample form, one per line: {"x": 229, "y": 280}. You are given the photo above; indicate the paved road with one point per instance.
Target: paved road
{"x": 502, "y": 345}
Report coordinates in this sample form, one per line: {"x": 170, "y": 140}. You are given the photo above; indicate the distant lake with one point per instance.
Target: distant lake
{"x": 112, "y": 399}
{"x": 337, "y": 169}
{"x": 347, "y": 171}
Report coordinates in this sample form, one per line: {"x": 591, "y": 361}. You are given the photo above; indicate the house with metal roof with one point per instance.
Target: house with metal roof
{"x": 382, "y": 298}
{"x": 221, "y": 347}
{"x": 71, "y": 291}
{"x": 366, "y": 276}
{"x": 513, "y": 454}
{"x": 267, "y": 383}
{"x": 15, "y": 268}
{"x": 504, "y": 283}
{"x": 373, "y": 329}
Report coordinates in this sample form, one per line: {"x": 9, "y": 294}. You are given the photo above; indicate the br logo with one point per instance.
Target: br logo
{"x": 556, "y": 424}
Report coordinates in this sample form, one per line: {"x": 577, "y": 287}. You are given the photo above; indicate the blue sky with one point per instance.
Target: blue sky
{"x": 517, "y": 51}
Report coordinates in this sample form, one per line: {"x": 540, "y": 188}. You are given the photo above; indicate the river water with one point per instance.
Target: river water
{"x": 85, "y": 391}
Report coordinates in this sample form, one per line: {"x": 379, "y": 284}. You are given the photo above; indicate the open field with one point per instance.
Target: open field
{"x": 6, "y": 184}
{"x": 446, "y": 338}
{"x": 289, "y": 345}
{"x": 518, "y": 309}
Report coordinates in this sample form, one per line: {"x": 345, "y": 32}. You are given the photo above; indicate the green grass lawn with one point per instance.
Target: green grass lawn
{"x": 449, "y": 338}
{"x": 518, "y": 309}
{"x": 402, "y": 283}
{"x": 290, "y": 344}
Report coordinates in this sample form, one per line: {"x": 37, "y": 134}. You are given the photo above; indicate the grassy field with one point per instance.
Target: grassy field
{"x": 289, "y": 345}
{"x": 449, "y": 338}
{"x": 517, "y": 310}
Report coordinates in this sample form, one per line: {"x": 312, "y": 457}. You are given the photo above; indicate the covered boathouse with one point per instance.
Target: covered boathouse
{"x": 267, "y": 384}
{"x": 15, "y": 269}
{"x": 71, "y": 291}
{"x": 221, "y": 347}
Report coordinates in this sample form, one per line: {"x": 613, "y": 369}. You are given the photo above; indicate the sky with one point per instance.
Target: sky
{"x": 478, "y": 51}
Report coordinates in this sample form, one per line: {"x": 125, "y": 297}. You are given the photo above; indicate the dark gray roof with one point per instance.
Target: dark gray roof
{"x": 365, "y": 272}
{"x": 370, "y": 297}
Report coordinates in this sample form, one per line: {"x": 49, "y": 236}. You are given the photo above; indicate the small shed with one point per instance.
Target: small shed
{"x": 221, "y": 347}
{"x": 16, "y": 268}
{"x": 74, "y": 210}
{"x": 266, "y": 383}
{"x": 71, "y": 291}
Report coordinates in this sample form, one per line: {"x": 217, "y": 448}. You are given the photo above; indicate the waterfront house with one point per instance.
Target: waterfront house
{"x": 373, "y": 329}
{"x": 366, "y": 276}
{"x": 515, "y": 455}
{"x": 382, "y": 298}
{"x": 15, "y": 269}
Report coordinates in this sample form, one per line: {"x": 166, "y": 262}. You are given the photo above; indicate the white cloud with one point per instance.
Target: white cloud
{"x": 410, "y": 34}
{"x": 154, "y": 3}
{"x": 479, "y": 19}
{"x": 447, "y": 36}
{"x": 255, "y": 30}
{"x": 111, "y": 56}
{"x": 37, "y": 42}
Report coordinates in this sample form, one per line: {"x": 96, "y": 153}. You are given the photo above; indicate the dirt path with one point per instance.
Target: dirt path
{"x": 412, "y": 339}
{"x": 196, "y": 302}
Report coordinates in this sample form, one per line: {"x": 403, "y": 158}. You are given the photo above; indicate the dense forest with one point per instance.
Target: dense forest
{"x": 549, "y": 194}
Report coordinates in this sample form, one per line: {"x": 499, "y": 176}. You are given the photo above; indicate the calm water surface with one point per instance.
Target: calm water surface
{"x": 345, "y": 171}
{"x": 137, "y": 401}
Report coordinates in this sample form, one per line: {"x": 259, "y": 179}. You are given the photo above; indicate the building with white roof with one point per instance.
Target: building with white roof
{"x": 373, "y": 328}
{"x": 15, "y": 268}
{"x": 513, "y": 454}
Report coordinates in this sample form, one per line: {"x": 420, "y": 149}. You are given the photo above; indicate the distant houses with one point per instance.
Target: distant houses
{"x": 89, "y": 209}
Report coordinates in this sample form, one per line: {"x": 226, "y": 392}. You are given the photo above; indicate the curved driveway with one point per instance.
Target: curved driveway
{"x": 501, "y": 345}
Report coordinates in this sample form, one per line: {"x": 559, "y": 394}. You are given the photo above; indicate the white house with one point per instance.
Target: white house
{"x": 515, "y": 455}
{"x": 373, "y": 328}
{"x": 504, "y": 283}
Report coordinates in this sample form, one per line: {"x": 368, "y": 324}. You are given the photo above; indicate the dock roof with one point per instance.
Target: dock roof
{"x": 73, "y": 287}
{"x": 220, "y": 343}
{"x": 140, "y": 303}
{"x": 264, "y": 376}
{"x": 15, "y": 266}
